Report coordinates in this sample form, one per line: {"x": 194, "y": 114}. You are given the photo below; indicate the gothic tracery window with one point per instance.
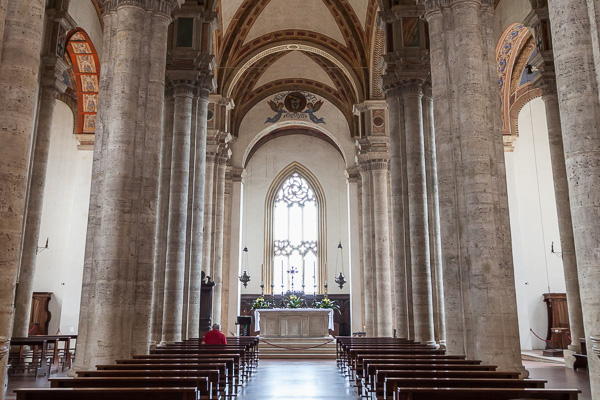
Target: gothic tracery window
{"x": 295, "y": 235}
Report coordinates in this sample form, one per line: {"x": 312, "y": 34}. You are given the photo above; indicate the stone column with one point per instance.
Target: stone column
{"x": 51, "y": 87}
{"x": 478, "y": 272}
{"x": 219, "y": 210}
{"x": 226, "y": 271}
{"x": 399, "y": 237}
{"x": 373, "y": 159}
{"x": 208, "y": 209}
{"x": 539, "y": 21}
{"x": 435, "y": 239}
{"x": 117, "y": 281}
{"x": 177, "y": 223}
{"x": 160, "y": 237}
{"x": 381, "y": 235}
{"x": 19, "y": 63}
{"x": 580, "y": 122}
{"x": 367, "y": 246}
{"x": 198, "y": 212}
{"x": 412, "y": 94}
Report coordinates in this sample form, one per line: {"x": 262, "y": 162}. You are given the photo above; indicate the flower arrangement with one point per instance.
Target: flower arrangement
{"x": 293, "y": 302}
{"x": 326, "y": 302}
{"x": 261, "y": 303}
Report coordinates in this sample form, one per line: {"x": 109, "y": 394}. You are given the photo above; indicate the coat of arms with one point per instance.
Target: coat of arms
{"x": 295, "y": 104}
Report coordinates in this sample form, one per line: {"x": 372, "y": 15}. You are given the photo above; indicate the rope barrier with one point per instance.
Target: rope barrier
{"x": 536, "y": 335}
{"x": 298, "y": 348}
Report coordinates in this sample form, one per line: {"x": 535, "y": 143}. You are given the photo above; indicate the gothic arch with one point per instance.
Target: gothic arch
{"x": 86, "y": 67}
{"x": 284, "y": 174}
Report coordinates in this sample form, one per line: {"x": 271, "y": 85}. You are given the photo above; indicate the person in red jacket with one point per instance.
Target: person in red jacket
{"x": 215, "y": 336}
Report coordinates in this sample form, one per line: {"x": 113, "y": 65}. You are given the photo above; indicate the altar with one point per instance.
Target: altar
{"x": 293, "y": 322}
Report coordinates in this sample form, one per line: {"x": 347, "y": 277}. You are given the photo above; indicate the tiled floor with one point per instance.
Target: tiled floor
{"x": 560, "y": 377}
{"x": 320, "y": 379}
{"x": 298, "y": 379}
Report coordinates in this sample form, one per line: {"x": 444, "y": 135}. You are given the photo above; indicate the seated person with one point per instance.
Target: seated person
{"x": 215, "y": 336}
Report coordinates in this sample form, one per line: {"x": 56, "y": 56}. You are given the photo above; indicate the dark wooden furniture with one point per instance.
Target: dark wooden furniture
{"x": 206, "y": 304}
{"x": 107, "y": 393}
{"x": 581, "y": 360}
{"x": 558, "y": 324}
{"x": 40, "y": 314}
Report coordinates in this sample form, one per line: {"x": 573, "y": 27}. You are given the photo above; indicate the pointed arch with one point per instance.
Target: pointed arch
{"x": 276, "y": 185}
{"x": 86, "y": 67}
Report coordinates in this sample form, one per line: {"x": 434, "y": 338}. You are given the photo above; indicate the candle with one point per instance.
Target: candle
{"x": 303, "y": 269}
{"x": 314, "y": 273}
{"x": 282, "y": 273}
{"x": 262, "y": 272}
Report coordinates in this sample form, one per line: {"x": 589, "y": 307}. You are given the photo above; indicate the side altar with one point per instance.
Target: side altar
{"x": 294, "y": 322}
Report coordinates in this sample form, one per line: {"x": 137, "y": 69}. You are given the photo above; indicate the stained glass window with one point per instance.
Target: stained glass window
{"x": 295, "y": 234}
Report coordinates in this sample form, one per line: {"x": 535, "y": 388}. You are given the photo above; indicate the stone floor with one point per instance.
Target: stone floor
{"x": 320, "y": 379}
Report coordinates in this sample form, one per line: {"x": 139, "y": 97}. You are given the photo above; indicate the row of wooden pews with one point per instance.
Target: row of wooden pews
{"x": 42, "y": 354}
{"x": 182, "y": 371}
{"x": 401, "y": 369}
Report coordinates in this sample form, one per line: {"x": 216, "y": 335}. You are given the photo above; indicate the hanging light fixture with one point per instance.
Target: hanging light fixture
{"x": 340, "y": 279}
{"x": 245, "y": 278}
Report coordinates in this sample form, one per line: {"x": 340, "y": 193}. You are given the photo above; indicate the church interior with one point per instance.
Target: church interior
{"x": 403, "y": 194}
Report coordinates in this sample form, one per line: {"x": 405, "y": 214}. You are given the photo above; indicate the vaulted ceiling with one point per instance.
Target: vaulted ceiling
{"x": 325, "y": 47}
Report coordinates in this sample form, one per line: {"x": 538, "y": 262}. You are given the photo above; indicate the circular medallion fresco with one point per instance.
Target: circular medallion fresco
{"x": 295, "y": 102}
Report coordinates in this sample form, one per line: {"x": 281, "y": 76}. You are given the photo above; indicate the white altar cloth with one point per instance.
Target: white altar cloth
{"x": 294, "y": 322}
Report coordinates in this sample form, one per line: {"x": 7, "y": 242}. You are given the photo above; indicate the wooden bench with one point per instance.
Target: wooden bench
{"x": 202, "y": 383}
{"x": 107, "y": 393}
{"x": 391, "y": 385}
{"x": 487, "y": 394}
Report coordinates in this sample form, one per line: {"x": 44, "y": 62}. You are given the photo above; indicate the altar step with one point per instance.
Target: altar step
{"x": 296, "y": 348}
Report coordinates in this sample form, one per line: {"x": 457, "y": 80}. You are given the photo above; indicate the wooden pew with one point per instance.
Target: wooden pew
{"x": 202, "y": 383}
{"x": 391, "y": 385}
{"x": 373, "y": 372}
{"x": 225, "y": 380}
{"x": 107, "y": 393}
{"x": 484, "y": 393}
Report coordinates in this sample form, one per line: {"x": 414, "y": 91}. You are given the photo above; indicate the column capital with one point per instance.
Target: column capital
{"x": 164, "y": 7}
{"x": 412, "y": 87}
{"x": 184, "y": 87}
{"x": 352, "y": 174}
{"x": 53, "y": 68}
{"x": 436, "y": 6}
{"x": 373, "y": 149}
{"x": 238, "y": 174}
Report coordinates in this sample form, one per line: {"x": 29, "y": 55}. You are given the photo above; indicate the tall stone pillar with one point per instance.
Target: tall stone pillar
{"x": 580, "y": 121}
{"x": 412, "y": 94}
{"x": 539, "y": 21}
{"x": 197, "y": 228}
{"x": 478, "y": 271}
{"x": 116, "y": 298}
{"x": 373, "y": 159}
{"x": 211, "y": 157}
{"x": 435, "y": 239}
{"x": 160, "y": 237}
{"x": 367, "y": 252}
{"x": 400, "y": 238}
{"x": 178, "y": 206}
{"x": 52, "y": 85}
{"x": 219, "y": 210}
{"x": 19, "y": 63}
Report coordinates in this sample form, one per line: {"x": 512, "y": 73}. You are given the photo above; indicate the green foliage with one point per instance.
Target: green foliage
{"x": 294, "y": 302}
{"x": 328, "y": 303}
{"x": 261, "y": 303}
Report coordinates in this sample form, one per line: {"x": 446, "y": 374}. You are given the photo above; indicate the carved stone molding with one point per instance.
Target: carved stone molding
{"x": 4, "y": 347}
{"x": 596, "y": 344}
{"x": 165, "y": 7}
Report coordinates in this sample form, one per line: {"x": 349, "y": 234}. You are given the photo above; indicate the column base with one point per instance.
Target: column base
{"x": 569, "y": 357}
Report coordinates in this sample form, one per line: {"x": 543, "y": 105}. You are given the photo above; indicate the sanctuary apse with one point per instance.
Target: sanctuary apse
{"x": 445, "y": 143}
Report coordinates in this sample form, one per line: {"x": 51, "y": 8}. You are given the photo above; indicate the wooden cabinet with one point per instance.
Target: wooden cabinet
{"x": 40, "y": 314}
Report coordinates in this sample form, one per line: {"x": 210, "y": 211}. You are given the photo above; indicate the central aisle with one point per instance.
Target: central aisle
{"x": 297, "y": 379}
